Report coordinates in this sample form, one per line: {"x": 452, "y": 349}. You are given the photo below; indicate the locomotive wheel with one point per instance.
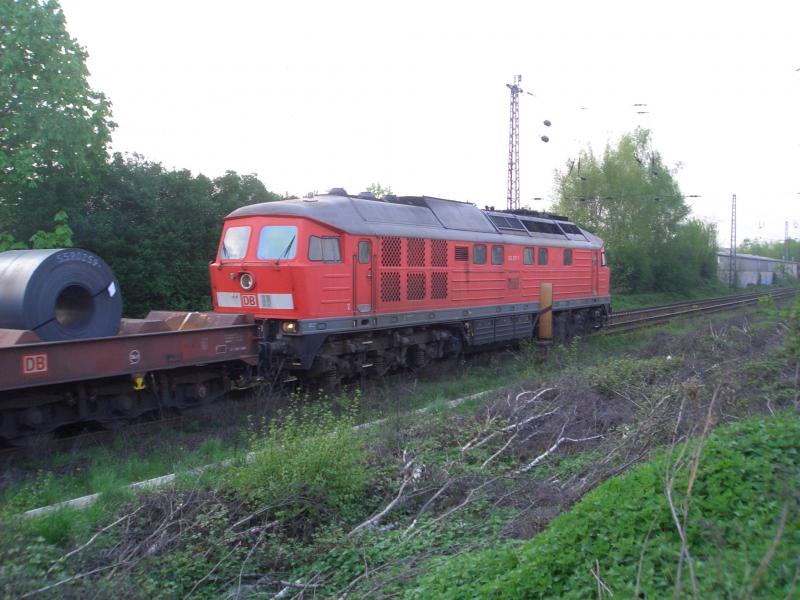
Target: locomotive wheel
{"x": 331, "y": 381}
{"x": 419, "y": 357}
{"x": 379, "y": 365}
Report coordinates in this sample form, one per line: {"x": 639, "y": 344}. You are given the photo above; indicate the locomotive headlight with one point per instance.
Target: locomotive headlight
{"x": 289, "y": 326}
{"x": 247, "y": 281}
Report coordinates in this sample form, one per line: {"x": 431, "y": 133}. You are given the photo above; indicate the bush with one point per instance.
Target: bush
{"x": 748, "y": 476}
{"x": 311, "y": 463}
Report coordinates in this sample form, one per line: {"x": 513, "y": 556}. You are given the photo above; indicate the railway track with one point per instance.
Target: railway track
{"x": 646, "y": 317}
{"x": 623, "y": 321}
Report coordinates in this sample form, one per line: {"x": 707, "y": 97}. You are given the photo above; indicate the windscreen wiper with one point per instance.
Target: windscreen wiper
{"x": 286, "y": 251}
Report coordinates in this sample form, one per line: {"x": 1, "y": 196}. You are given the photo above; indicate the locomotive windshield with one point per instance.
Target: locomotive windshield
{"x": 277, "y": 242}
{"x": 234, "y": 245}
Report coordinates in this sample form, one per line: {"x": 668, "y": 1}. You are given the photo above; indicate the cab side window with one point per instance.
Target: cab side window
{"x": 567, "y": 257}
{"x": 324, "y": 249}
{"x": 364, "y": 252}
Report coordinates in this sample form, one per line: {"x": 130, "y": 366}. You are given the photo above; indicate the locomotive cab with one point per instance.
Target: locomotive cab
{"x": 277, "y": 267}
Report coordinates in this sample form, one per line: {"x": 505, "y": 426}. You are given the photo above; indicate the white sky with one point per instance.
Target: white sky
{"x": 319, "y": 94}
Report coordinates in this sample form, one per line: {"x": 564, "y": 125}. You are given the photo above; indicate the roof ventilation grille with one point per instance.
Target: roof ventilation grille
{"x": 367, "y": 196}
{"x": 337, "y": 192}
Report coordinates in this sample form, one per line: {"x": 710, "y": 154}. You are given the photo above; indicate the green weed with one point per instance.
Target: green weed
{"x": 747, "y": 476}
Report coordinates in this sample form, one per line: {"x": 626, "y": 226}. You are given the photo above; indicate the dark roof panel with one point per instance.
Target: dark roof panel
{"x": 438, "y": 218}
{"x": 388, "y": 212}
{"x": 459, "y": 215}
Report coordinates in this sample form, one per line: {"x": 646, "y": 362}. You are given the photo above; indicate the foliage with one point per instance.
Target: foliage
{"x": 308, "y": 463}
{"x": 54, "y": 129}
{"x": 623, "y": 372}
{"x": 793, "y": 336}
{"x": 775, "y": 249}
{"x": 379, "y": 191}
{"x": 708, "y": 289}
{"x": 746, "y": 478}
{"x": 158, "y": 229}
{"x": 60, "y": 237}
{"x": 632, "y": 200}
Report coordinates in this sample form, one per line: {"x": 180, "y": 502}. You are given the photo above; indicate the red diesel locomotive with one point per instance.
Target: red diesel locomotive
{"x": 342, "y": 285}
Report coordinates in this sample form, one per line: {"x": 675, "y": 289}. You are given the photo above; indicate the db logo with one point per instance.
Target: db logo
{"x": 249, "y": 300}
{"x": 33, "y": 364}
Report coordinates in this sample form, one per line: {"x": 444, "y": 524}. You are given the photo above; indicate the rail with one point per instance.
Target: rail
{"x": 646, "y": 317}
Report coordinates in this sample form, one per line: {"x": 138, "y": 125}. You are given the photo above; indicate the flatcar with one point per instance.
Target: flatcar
{"x": 344, "y": 285}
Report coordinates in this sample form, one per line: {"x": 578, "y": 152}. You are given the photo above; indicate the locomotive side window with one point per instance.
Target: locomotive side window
{"x": 277, "y": 242}
{"x": 542, "y": 256}
{"x": 603, "y": 261}
{"x": 497, "y": 255}
{"x": 567, "y": 257}
{"x": 527, "y": 256}
{"x": 234, "y": 245}
{"x": 364, "y": 252}
{"x": 324, "y": 249}
{"x": 479, "y": 254}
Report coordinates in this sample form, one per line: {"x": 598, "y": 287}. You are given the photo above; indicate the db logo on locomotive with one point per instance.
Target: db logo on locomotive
{"x": 33, "y": 364}
{"x": 249, "y": 300}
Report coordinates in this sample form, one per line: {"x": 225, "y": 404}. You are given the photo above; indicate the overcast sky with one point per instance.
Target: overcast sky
{"x": 313, "y": 95}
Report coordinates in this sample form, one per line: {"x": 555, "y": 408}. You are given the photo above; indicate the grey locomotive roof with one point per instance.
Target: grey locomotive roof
{"x": 424, "y": 216}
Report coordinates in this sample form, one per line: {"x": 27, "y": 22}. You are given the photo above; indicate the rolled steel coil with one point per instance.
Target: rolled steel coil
{"x": 62, "y": 294}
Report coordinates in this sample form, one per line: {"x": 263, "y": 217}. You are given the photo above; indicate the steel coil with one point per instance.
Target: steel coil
{"x": 62, "y": 294}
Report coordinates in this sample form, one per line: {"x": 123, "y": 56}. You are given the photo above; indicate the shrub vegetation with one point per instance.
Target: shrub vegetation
{"x": 743, "y": 530}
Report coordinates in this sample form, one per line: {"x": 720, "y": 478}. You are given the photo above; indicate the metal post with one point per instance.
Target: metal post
{"x": 732, "y": 255}
{"x": 546, "y": 311}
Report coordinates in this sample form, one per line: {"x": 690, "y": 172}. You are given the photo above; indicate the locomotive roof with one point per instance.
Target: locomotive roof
{"x": 425, "y": 216}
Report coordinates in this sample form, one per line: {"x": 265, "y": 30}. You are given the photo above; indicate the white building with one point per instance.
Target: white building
{"x": 754, "y": 270}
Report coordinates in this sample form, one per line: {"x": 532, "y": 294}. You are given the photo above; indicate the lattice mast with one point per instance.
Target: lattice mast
{"x": 786, "y": 243}
{"x": 513, "y": 145}
{"x": 732, "y": 255}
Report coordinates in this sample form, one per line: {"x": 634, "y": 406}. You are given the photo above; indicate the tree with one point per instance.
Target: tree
{"x": 60, "y": 237}
{"x": 378, "y": 190}
{"x": 774, "y": 249}
{"x": 54, "y": 128}
{"x": 632, "y": 200}
{"x": 158, "y": 229}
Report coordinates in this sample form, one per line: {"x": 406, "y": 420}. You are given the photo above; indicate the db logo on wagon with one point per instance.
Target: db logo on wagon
{"x": 34, "y": 364}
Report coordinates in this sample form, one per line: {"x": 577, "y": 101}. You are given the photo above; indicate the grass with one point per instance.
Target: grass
{"x": 709, "y": 289}
{"x": 104, "y": 470}
{"x": 742, "y": 526}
